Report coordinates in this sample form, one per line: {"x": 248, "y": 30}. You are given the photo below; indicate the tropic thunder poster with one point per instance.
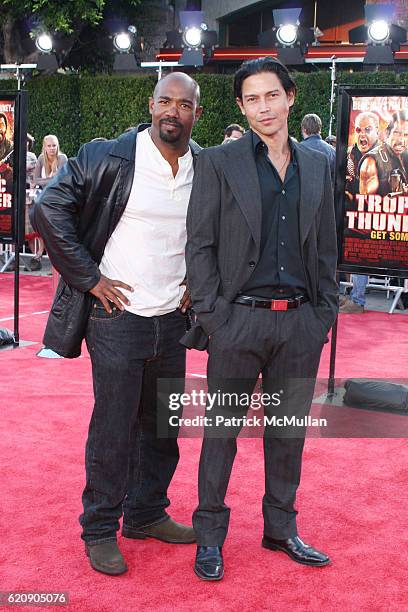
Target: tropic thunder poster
{"x": 7, "y": 122}
{"x": 375, "y": 190}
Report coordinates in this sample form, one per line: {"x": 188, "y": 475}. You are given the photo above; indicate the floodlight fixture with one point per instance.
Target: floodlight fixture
{"x": 286, "y": 34}
{"x": 382, "y": 36}
{"x": 43, "y": 42}
{"x": 290, "y": 39}
{"x": 192, "y": 37}
{"x": 124, "y": 60}
{"x": 122, "y": 42}
{"x": 378, "y": 31}
{"x": 47, "y": 60}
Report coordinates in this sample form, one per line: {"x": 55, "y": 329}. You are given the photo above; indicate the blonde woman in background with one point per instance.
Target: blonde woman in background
{"x": 31, "y": 160}
{"x": 47, "y": 166}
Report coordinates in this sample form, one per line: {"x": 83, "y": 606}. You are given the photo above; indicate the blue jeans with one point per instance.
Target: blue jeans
{"x": 357, "y": 294}
{"x": 128, "y": 468}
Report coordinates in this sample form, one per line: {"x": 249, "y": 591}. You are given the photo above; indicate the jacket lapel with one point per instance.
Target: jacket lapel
{"x": 125, "y": 150}
{"x": 242, "y": 177}
{"x": 310, "y": 190}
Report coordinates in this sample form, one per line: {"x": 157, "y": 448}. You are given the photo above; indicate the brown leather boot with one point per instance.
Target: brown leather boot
{"x": 106, "y": 558}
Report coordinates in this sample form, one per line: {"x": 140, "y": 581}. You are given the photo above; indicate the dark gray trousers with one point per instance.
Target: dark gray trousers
{"x": 285, "y": 348}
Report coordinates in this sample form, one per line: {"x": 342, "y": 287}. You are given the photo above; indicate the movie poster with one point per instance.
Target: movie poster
{"x": 7, "y": 121}
{"x": 374, "y": 181}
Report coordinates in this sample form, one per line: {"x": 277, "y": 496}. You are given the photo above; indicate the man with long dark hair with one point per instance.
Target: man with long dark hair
{"x": 261, "y": 261}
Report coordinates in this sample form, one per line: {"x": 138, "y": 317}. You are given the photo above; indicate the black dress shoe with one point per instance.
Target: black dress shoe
{"x": 106, "y": 558}
{"x": 297, "y": 550}
{"x": 209, "y": 564}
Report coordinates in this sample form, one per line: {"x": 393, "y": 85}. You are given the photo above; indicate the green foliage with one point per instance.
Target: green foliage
{"x": 58, "y": 15}
{"x": 53, "y": 109}
{"x": 109, "y": 105}
{"x": 313, "y": 96}
{"x": 79, "y": 108}
{"x": 220, "y": 109}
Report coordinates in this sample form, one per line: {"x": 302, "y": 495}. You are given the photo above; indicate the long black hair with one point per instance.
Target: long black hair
{"x": 263, "y": 64}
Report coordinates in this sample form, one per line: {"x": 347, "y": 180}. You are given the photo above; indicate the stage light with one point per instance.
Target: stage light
{"x": 382, "y": 37}
{"x": 192, "y": 37}
{"x": 286, "y": 35}
{"x": 378, "y": 31}
{"x": 43, "y": 42}
{"x": 196, "y": 38}
{"x": 124, "y": 60}
{"x": 122, "y": 42}
{"x": 47, "y": 60}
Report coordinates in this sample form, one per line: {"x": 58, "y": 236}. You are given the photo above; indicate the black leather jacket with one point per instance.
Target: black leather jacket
{"x": 76, "y": 215}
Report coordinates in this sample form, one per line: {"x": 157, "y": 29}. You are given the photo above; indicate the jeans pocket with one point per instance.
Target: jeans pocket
{"x": 98, "y": 313}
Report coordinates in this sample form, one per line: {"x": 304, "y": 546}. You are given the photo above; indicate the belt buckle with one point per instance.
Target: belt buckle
{"x": 279, "y": 304}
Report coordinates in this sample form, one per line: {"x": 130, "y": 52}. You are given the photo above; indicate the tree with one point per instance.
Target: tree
{"x": 64, "y": 19}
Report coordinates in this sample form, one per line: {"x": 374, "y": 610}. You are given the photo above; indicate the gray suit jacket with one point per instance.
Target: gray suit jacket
{"x": 224, "y": 232}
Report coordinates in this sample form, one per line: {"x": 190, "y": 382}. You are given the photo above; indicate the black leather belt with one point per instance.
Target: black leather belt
{"x": 280, "y": 304}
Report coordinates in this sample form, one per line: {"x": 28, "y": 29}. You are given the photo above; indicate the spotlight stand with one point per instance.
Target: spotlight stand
{"x": 17, "y": 68}
{"x": 332, "y": 92}
{"x": 159, "y": 66}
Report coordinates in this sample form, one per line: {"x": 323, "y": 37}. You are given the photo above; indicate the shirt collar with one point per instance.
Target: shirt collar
{"x": 259, "y": 145}
{"x": 183, "y": 159}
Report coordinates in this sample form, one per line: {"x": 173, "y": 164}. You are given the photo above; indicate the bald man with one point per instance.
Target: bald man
{"x": 114, "y": 223}
{"x": 366, "y": 128}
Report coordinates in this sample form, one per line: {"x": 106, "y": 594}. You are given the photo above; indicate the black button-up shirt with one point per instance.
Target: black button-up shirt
{"x": 279, "y": 271}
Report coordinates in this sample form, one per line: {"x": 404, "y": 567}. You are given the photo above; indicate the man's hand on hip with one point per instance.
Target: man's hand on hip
{"x": 106, "y": 291}
{"x": 185, "y": 302}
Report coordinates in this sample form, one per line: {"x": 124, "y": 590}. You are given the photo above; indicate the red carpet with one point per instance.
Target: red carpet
{"x": 352, "y": 502}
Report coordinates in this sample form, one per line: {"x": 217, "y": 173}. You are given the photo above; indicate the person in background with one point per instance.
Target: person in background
{"x": 31, "y": 160}
{"x": 331, "y": 140}
{"x": 49, "y": 162}
{"x": 233, "y": 132}
{"x": 6, "y": 146}
{"x": 311, "y": 128}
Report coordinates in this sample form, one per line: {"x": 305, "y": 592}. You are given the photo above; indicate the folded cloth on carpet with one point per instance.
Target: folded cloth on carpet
{"x": 376, "y": 395}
